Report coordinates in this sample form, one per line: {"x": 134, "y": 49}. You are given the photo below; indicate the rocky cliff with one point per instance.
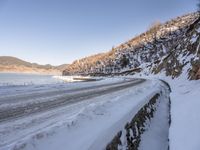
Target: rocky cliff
{"x": 169, "y": 48}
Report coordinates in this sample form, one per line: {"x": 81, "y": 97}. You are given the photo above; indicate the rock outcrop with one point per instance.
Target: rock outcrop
{"x": 170, "y": 48}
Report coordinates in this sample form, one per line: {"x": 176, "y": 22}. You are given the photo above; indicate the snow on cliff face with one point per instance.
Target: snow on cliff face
{"x": 170, "y": 52}
{"x": 167, "y": 47}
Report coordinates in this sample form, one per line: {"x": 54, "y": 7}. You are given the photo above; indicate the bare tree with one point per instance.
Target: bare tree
{"x": 152, "y": 32}
{"x": 153, "y": 29}
{"x": 155, "y": 24}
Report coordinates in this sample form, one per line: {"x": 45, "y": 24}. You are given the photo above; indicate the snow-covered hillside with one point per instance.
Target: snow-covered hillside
{"x": 165, "y": 47}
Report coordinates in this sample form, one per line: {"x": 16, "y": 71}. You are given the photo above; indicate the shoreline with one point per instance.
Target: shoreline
{"x": 31, "y": 73}
{"x": 77, "y": 78}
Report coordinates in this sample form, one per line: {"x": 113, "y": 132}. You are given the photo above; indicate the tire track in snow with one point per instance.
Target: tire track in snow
{"x": 8, "y": 114}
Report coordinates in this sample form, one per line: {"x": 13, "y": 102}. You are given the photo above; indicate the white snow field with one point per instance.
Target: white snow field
{"x": 185, "y": 117}
{"x": 185, "y": 126}
{"x": 71, "y": 116}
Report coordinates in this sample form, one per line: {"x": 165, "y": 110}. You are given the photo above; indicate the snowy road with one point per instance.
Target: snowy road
{"x": 72, "y": 116}
{"x": 46, "y": 100}
{"x": 28, "y": 111}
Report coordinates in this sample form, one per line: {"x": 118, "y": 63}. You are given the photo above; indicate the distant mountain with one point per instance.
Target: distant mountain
{"x": 13, "y": 64}
{"x": 170, "y": 48}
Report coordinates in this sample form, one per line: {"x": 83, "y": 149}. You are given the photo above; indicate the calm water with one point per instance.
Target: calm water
{"x": 26, "y": 79}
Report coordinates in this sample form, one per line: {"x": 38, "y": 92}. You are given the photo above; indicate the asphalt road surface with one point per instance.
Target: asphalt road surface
{"x": 41, "y": 101}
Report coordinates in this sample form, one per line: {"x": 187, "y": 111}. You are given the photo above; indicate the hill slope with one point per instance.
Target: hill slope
{"x": 167, "y": 48}
{"x": 13, "y": 64}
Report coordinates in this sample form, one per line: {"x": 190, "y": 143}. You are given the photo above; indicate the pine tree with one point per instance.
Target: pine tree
{"x": 124, "y": 61}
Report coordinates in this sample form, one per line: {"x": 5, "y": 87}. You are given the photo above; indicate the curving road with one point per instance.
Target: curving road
{"x": 25, "y": 104}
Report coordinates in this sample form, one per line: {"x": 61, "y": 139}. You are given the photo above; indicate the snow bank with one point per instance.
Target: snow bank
{"x": 185, "y": 101}
{"x": 76, "y": 78}
{"x": 157, "y": 133}
{"x": 185, "y": 127}
{"x": 150, "y": 126}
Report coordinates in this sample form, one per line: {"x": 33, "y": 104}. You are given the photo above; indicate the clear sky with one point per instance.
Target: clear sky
{"x": 60, "y": 31}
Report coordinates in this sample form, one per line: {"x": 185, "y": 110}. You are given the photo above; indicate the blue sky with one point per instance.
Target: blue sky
{"x": 60, "y": 31}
